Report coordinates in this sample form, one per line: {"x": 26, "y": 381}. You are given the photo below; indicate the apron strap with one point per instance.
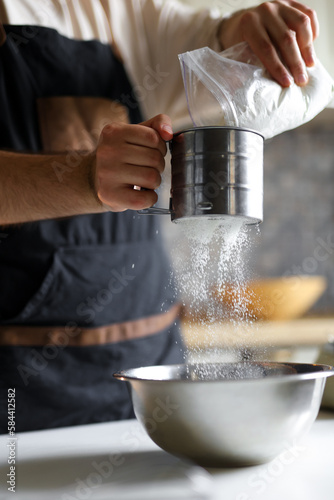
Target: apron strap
{"x": 2, "y": 35}
{"x": 2, "y": 18}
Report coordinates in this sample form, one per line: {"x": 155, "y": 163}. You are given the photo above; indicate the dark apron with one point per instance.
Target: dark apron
{"x": 88, "y": 271}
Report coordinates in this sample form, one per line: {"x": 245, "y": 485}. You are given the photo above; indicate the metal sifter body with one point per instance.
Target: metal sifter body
{"x": 217, "y": 172}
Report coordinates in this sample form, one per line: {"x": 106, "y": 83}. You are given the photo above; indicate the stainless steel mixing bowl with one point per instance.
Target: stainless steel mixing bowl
{"x": 222, "y": 415}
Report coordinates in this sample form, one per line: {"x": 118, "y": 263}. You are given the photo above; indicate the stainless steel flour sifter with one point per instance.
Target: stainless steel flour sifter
{"x": 217, "y": 172}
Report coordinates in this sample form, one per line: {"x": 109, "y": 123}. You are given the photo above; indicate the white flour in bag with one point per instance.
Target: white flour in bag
{"x": 232, "y": 88}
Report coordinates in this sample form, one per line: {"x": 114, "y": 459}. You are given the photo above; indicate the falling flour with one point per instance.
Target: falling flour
{"x": 211, "y": 260}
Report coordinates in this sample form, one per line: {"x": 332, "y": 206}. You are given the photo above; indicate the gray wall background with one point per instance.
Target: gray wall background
{"x": 297, "y": 235}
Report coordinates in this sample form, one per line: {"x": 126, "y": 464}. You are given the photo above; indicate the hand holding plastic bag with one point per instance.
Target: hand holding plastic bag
{"x": 232, "y": 88}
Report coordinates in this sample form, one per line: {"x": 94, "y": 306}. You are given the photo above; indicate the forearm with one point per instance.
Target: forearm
{"x": 35, "y": 187}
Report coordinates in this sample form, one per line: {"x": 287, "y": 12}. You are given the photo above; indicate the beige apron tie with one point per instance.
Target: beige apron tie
{"x": 73, "y": 335}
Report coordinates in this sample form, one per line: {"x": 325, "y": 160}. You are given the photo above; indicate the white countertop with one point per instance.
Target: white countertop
{"x": 119, "y": 461}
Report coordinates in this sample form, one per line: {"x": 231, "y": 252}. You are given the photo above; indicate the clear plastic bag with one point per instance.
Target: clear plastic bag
{"x": 232, "y": 88}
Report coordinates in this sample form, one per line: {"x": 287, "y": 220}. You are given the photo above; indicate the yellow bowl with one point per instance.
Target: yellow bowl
{"x": 281, "y": 298}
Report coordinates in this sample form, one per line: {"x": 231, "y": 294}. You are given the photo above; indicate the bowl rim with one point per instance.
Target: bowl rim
{"x": 320, "y": 371}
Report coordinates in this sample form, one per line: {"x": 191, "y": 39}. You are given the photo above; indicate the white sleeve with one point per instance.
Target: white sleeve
{"x": 150, "y": 34}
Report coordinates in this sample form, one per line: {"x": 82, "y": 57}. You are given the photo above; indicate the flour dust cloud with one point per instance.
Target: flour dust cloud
{"x": 211, "y": 269}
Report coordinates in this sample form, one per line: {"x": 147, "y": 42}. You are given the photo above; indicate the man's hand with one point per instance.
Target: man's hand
{"x": 282, "y": 30}
{"x": 128, "y": 156}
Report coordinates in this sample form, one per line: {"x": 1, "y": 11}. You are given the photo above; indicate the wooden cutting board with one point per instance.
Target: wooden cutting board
{"x": 299, "y": 332}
